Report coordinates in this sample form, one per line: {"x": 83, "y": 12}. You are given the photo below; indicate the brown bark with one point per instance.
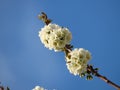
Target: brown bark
{"x": 95, "y": 72}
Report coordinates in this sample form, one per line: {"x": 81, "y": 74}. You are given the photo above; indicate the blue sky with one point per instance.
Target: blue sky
{"x": 25, "y": 62}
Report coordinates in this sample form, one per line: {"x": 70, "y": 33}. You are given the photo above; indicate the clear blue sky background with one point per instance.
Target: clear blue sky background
{"x": 25, "y": 62}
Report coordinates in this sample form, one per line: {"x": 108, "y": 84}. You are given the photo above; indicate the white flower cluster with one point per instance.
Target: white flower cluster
{"x": 38, "y": 88}
{"x": 55, "y": 37}
{"x": 77, "y": 61}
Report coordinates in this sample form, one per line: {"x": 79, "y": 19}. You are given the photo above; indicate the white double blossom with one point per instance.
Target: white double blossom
{"x": 55, "y": 37}
{"x": 77, "y": 61}
{"x": 38, "y": 88}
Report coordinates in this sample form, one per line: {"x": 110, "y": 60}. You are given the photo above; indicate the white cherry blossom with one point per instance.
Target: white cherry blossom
{"x": 38, "y": 88}
{"x": 55, "y": 37}
{"x": 77, "y": 61}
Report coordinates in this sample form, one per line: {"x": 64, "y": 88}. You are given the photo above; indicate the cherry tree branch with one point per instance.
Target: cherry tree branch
{"x": 94, "y": 72}
{"x": 68, "y": 48}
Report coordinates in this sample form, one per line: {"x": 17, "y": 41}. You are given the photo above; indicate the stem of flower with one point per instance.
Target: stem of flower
{"x": 68, "y": 49}
{"x": 94, "y": 72}
{"x": 44, "y": 18}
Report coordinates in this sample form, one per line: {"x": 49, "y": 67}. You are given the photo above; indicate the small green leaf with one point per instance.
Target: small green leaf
{"x": 89, "y": 77}
{"x": 96, "y": 69}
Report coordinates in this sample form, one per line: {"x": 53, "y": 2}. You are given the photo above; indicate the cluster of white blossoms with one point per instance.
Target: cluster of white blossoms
{"x": 38, "y": 88}
{"x": 77, "y": 61}
{"x": 55, "y": 37}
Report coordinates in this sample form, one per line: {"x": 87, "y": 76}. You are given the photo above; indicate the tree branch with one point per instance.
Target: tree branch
{"x": 94, "y": 72}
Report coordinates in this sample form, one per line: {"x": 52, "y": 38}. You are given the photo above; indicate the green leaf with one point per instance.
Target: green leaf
{"x": 96, "y": 69}
{"x": 89, "y": 77}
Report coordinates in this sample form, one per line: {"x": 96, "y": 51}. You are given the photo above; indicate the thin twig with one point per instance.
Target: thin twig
{"x": 94, "y": 72}
{"x": 44, "y": 18}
